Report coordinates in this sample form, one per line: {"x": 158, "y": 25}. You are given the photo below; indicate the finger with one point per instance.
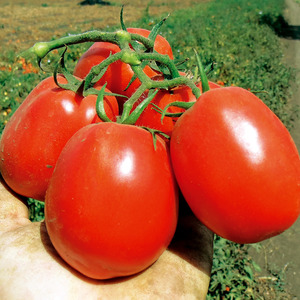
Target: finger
{"x": 13, "y": 210}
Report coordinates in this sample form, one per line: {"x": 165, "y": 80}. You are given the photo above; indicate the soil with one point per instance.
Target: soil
{"x": 23, "y": 23}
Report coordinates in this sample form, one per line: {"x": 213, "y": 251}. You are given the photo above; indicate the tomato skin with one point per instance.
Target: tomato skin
{"x": 36, "y": 133}
{"x": 237, "y": 166}
{"x": 152, "y": 119}
{"x": 118, "y": 74}
{"x": 115, "y": 212}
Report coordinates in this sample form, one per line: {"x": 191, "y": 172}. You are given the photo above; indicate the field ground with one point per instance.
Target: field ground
{"x": 22, "y": 23}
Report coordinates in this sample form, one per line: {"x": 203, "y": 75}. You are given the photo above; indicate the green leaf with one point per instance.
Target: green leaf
{"x": 249, "y": 271}
{"x": 73, "y": 84}
{"x": 100, "y": 105}
{"x": 155, "y": 30}
{"x": 256, "y": 266}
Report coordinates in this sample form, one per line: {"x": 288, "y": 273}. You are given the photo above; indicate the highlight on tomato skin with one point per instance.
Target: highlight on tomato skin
{"x": 111, "y": 208}
{"x": 237, "y": 166}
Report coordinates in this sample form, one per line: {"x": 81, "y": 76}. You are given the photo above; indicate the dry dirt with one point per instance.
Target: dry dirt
{"x": 22, "y": 23}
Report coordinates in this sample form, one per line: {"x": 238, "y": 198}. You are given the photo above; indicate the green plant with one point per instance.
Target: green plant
{"x": 36, "y": 210}
{"x": 233, "y": 272}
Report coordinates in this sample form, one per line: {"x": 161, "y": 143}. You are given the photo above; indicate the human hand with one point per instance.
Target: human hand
{"x": 32, "y": 269}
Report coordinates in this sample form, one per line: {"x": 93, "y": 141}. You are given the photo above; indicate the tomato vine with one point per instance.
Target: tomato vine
{"x": 136, "y": 51}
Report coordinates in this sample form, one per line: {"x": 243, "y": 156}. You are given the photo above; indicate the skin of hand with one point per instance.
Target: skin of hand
{"x": 32, "y": 269}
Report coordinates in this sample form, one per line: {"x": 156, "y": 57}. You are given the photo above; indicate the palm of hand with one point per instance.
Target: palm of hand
{"x": 32, "y": 269}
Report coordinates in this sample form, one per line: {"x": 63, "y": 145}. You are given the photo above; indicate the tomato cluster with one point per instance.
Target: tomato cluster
{"x": 111, "y": 188}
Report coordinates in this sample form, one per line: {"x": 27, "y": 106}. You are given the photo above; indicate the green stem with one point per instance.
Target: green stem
{"x": 170, "y": 83}
{"x": 149, "y": 44}
{"x": 98, "y": 71}
{"x": 136, "y": 59}
{"x": 154, "y": 134}
{"x": 132, "y": 118}
{"x": 180, "y": 104}
{"x": 176, "y": 80}
{"x": 41, "y": 49}
{"x": 128, "y": 105}
{"x": 163, "y": 59}
{"x": 203, "y": 77}
{"x": 100, "y": 105}
{"x": 148, "y": 84}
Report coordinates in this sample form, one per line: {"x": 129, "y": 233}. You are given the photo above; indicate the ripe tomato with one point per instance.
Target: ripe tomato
{"x": 118, "y": 74}
{"x": 35, "y": 135}
{"x": 237, "y": 166}
{"x": 111, "y": 207}
{"x": 152, "y": 119}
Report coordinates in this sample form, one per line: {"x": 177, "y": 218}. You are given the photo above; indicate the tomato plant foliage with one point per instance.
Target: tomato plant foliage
{"x": 119, "y": 74}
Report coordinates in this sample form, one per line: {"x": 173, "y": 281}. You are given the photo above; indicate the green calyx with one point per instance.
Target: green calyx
{"x": 154, "y": 133}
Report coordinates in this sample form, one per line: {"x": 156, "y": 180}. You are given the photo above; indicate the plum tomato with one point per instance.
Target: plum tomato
{"x": 237, "y": 166}
{"x": 36, "y": 133}
{"x": 111, "y": 208}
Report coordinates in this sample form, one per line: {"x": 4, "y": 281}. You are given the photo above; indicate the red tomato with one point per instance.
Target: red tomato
{"x": 237, "y": 166}
{"x": 35, "y": 135}
{"x": 111, "y": 207}
{"x": 118, "y": 74}
{"x": 151, "y": 118}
